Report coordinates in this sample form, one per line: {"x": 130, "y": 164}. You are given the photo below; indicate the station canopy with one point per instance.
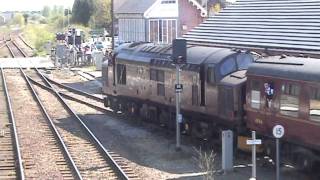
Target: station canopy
{"x": 274, "y": 27}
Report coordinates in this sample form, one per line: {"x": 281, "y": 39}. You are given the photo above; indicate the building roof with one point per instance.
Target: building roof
{"x": 280, "y": 26}
{"x": 135, "y": 6}
{"x": 294, "y": 68}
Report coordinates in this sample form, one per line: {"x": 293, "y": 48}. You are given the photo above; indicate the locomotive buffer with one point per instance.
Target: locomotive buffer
{"x": 179, "y": 57}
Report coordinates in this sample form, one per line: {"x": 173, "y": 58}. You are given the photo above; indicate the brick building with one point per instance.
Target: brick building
{"x": 158, "y": 21}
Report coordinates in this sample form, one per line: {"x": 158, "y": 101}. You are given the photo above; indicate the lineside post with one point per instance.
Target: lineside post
{"x": 178, "y": 101}
{"x": 179, "y": 57}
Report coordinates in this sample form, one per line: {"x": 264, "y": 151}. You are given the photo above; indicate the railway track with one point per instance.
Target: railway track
{"x": 15, "y": 50}
{"x": 43, "y": 153}
{"x": 24, "y": 41}
{"x": 92, "y": 159}
{"x": 73, "y": 94}
{"x": 10, "y": 161}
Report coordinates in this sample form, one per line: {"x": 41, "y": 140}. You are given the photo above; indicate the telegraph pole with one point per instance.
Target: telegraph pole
{"x": 112, "y": 24}
{"x": 68, "y": 18}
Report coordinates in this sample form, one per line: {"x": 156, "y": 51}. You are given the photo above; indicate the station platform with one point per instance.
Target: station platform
{"x": 39, "y": 62}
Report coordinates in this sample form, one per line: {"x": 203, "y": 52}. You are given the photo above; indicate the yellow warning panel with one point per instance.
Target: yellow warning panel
{"x": 242, "y": 145}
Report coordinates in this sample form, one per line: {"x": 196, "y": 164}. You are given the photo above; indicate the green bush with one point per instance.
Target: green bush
{"x": 38, "y": 36}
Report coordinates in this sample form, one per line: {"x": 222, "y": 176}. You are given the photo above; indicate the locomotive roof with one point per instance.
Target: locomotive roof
{"x": 145, "y": 52}
{"x": 295, "y": 68}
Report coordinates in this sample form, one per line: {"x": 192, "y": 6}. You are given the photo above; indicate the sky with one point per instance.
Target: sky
{"x": 27, "y": 5}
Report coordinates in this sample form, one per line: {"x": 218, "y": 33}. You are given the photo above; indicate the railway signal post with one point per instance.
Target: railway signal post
{"x": 278, "y": 132}
{"x": 179, "y": 56}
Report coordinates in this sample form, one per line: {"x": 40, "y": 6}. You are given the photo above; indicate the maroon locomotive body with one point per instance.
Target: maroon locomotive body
{"x": 286, "y": 91}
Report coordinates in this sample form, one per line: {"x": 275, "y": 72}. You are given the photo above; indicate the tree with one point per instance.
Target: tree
{"x": 82, "y": 11}
{"x": 101, "y": 17}
{"x": 25, "y": 16}
{"x": 18, "y": 19}
{"x": 46, "y": 11}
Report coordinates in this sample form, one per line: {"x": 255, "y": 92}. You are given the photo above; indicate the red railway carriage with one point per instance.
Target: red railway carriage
{"x": 286, "y": 91}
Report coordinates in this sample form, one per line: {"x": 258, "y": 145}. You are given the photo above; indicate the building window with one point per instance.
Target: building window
{"x": 131, "y": 30}
{"x": 315, "y": 104}
{"x": 168, "y": 1}
{"x": 255, "y": 94}
{"x": 289, "y": 101}
{"x": 122, "y": 74}
{"x": 162, "y": 30}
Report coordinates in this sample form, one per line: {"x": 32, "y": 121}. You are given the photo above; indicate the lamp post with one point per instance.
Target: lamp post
{"x": 112, "y": 24}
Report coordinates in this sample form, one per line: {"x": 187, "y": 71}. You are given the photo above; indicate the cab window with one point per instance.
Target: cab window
{"x": 289, "y": 101}
{"x": 255, "y": 94}
{"x": 228, "y": 66}
{"x": 244, "y": 60}
{"x": 315, "y": 104}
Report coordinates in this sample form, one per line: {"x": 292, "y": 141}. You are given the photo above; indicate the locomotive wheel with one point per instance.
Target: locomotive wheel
{"x": 200, "y": 130}
{"x": 132, "y": 109}
{"x": 144, "y": 112}
{"x": 164, "y": 118}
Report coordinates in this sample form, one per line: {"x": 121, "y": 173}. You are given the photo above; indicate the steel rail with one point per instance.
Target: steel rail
{"x": 74, "y": 90}
{"x": 15, "y": 134}
{"x": 52, "y": 126}
{"x": 10, "y": 50}
{"x": 21, "y": 51}
{"x": 104, "y": 110}
{"x": 118, "y": 170}
{"x": 24, "y": 41}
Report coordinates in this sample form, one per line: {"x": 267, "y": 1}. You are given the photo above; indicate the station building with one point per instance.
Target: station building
{"x": 158, "y": 21}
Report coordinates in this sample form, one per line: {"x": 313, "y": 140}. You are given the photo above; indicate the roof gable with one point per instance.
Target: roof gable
{"x": 135, "y": 6}
{"x": 284, "y": 26}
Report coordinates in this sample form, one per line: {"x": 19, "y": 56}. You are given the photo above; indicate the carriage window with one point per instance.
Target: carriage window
{"x": 255, "y": 94}
{"x": 315, "y": 104}
{"x": 210, "y": 75}
{"x": 228, "y": 66}
{"x": 122, "y": 74}
{"x": 289, "y": 101}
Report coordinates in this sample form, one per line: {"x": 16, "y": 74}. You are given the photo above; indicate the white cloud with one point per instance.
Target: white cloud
{"x": 26, "y": 5}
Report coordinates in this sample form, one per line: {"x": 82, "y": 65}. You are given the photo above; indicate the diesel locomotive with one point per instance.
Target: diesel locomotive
{"x": 140, "y": 80}
{"x": 222, "y": 89}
